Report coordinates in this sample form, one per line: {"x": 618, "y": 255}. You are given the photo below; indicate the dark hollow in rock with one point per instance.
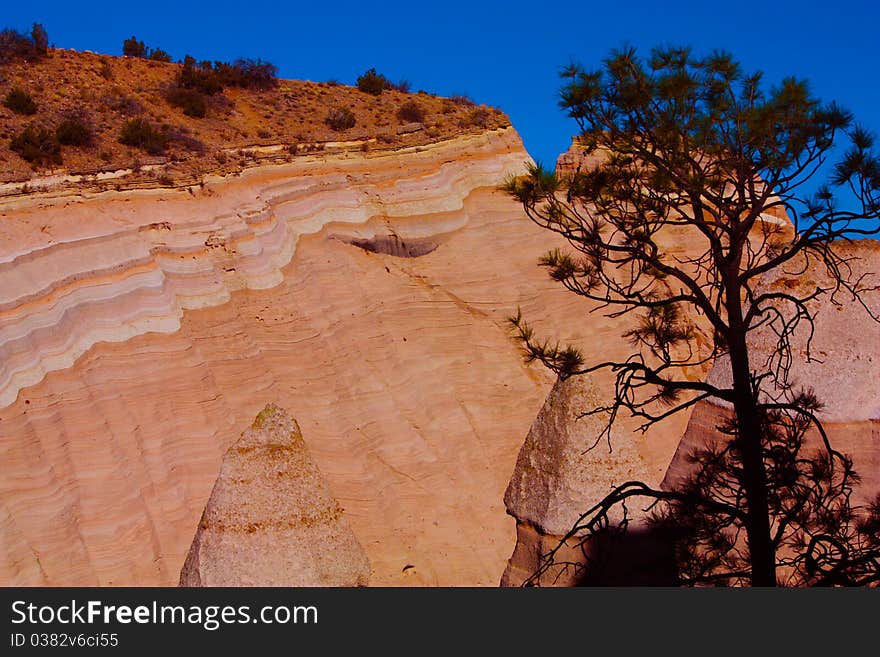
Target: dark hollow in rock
{"x": 395, "y": 246}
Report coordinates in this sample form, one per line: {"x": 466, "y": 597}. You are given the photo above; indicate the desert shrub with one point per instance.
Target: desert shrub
{"x": 17, "y": 46}
{"x": 478, "y": 117}
{"x": 39, "y": 39}
{"x": 37, "y": 145}
{"x": 125, "y": 105}
{"x": 249, "y": 74}
{"x": 411, "y": 112}
{"x": 211, "y": 79}
{"x": 462, "y": 100}
{"x": 183, "y": 139}
{"x": 14, "y": 45}
{"x": 74, "y": 130}
{"x": 106, "y": 71}
{"x": 340, "y": 118}
{"x": 134, "y": 48}
{"x": 191, "y": 101}
{"x": 140, "y": 133}
{"x": 198, "y": 76}
{"x": 372, "y": 82}
{"x": 20, "y": 101}
{"x": 404, "y": 86}
{"x": 159, "y": 55}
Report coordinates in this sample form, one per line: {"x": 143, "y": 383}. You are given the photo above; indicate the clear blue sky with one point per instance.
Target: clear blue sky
{"x": 506, "y": 54}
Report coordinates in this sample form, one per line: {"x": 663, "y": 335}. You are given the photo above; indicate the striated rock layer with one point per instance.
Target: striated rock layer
{"x": 141, "y": 332}
{"x": 108, "y": 270}
{"x": 270, "y": 520}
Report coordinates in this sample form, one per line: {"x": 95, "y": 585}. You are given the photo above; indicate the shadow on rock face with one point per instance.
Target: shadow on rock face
{"x": 394, "y": 245}
{"x": 640, "y": 557}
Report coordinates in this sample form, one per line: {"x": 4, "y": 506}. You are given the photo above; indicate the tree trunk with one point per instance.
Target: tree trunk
{"x": 762, "y": 555}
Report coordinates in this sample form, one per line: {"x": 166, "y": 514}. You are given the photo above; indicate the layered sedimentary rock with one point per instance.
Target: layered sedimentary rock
{"x": 838, "y": 360}
{"x": 142, "y": 332}
{"x": 106, "y": 271}
{"x": 271, "y": 520}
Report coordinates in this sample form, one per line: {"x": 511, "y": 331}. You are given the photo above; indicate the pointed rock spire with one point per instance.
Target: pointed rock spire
{"x": 271, "y": 520}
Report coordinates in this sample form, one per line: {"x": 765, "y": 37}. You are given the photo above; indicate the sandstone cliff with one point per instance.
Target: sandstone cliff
{"x": 142, "y": 330}
{"x": 270, "y": 520}
{"x": 575, "y": 159}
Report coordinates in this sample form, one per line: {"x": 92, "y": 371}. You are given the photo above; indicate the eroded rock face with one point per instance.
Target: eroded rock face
{"x": 183, "y": 313}
{"x": 558, "y": 477}
{"x": 842, "y": 369}
{"x": 79, "y": 271}
{"x": 395, "y": 246}
{"x": 562, "y": 470}
{"x": 575, "y": 159}
{"x": 554, "y": 480}
{"x": 564, "y": 464}
{"x": 271, "y": 520}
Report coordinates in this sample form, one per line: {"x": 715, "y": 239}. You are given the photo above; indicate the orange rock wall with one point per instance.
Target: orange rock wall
{"x": 141, "y": 333}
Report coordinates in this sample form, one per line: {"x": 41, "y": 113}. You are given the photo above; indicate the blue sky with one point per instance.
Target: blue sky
{"x": 505, "y": 54}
